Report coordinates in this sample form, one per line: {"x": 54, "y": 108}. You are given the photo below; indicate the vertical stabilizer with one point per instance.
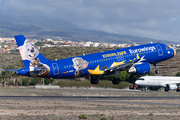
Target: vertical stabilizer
{"x": 29, "y": 53}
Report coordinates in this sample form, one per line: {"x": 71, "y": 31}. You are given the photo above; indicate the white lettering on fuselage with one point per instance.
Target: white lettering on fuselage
{"x": 139, "y": 50}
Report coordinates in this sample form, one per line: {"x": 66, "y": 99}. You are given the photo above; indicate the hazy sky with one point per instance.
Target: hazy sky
{"x": 158, "y": 19}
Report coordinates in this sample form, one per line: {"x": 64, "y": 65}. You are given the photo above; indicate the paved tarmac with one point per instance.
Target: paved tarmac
{"x": 96, "y": 99}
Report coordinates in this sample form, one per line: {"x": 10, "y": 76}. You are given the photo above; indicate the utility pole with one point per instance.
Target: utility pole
{"x": 43, "y": 81}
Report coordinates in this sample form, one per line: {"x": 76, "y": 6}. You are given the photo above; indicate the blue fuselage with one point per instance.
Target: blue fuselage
{"x": 95, "y": 64}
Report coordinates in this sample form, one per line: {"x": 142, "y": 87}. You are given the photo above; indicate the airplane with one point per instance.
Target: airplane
{"x": 136, "y": 60}
{"x": 155, "y": 82}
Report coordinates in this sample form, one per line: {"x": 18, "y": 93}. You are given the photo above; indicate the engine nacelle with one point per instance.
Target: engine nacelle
{"x": 143, "y": 68}
{"x": 171, "y": 87}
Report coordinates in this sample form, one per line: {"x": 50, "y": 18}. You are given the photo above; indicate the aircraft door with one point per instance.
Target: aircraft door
{"x": 160, "y": 51}
{"x": 120, "y": 58}
{"x": 55, "y": 68}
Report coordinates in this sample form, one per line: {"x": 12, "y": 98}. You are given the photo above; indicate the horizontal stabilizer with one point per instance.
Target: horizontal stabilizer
{"x": 25, "y": 71}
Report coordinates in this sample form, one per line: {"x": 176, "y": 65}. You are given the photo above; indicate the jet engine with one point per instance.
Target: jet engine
{"x": 143, "y": 68}
{"x": 171, "y": 87}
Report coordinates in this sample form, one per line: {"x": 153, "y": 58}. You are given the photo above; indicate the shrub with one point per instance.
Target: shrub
{"x": 102, "y": 115}
{"x": 151, "y": 114}
{"x": 104, "y": 118}
{"x": 83, "y": 116}
{"x": 25, "y": 81}
{"x": 47, "y": 81}
{"x": 10, "y": 82}
{"x": 34, "y": 81}
{"x": 178, "y": 74}
{"x": 96, "y": 115}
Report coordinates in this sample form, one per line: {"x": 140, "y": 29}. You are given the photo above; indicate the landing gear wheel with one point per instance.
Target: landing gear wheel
{"x": 115, "y": 81}
{"x": 94, "y": 81}
{"x": 157, "y": 71}
{"x": 146, "y": 89}
{"x": 178, "y": 90}
{"x": 166, "y": 90}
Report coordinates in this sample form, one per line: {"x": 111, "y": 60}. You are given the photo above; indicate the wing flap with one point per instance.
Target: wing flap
{"x": 122, "y": 67}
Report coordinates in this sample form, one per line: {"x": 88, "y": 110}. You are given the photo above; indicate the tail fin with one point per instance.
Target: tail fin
{"x": 29, "y": 53}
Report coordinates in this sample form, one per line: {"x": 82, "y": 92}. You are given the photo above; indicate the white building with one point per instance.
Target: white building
{"x": 88, "y": 44}
{"x": 95, "y": 44}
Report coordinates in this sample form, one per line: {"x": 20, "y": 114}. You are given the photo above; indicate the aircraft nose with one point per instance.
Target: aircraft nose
{"x": 136, "y": 82}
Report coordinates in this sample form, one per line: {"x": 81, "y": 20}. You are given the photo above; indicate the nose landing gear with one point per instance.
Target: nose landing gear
{"x": 156, "y": 71}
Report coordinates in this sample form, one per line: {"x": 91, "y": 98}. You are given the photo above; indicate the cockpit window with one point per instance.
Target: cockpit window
{"x": 167, "y": 47}
{"x": 141, "y": 79}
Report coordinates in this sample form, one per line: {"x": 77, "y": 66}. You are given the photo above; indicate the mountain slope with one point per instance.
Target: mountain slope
{"x": 9, "y": 29}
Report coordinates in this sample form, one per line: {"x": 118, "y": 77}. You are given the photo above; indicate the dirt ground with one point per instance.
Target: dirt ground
{"x": 95, "y": 110}
{"x": 64, "y": 110}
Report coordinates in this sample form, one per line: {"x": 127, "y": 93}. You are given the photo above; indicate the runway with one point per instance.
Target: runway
{"x": 119, "y": 99}
{"x": 85, "y": 98}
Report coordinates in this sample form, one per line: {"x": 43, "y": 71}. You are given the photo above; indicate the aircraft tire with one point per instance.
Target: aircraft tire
{"x": 177, "y": 90}
{"x": 166, "y": 90}
{"x": 157, "y": 71}
{"x": 94, "y": 81}
{"x": 115, "y": 81}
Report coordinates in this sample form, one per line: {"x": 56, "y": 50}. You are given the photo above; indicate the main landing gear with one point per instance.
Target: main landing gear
{"x": 156, "y": 71}
{"x": 116, "y": 80}
{"x": 93, "y": 80}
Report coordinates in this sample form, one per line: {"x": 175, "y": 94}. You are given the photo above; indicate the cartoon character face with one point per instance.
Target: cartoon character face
{"x": 28, "y": 52}
{"x": 79, "y": 64}
{"x": 44, "y": 68}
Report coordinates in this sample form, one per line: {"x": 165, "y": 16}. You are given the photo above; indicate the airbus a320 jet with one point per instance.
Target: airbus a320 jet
{"x": 134, "y": 60}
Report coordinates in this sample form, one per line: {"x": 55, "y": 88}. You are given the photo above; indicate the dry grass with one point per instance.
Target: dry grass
{"x": 70, "y": 110}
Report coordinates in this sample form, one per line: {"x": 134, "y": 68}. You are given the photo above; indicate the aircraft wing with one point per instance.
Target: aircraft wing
{"x": 122, "y": 67}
